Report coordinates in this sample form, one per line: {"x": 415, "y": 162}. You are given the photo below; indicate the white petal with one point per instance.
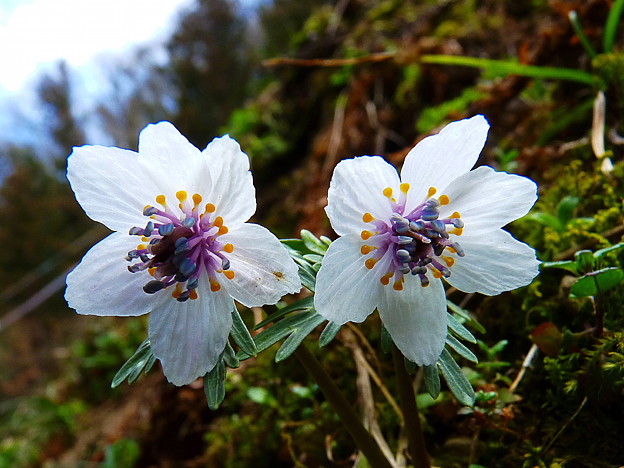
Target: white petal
{"x": 188, "y": 337}
{"x": 416, "y": 319}
{"x": 356, "y": 188}
{"x": 264, "y": 271}
{"x": 439, "y": 159}
{"x": 172, "y": 162}
{"x": 347, "y": 291}
{"x": 487, "y": 199}
{"x": 494, "y": 262}
{"x": 110, "y": 186}
{"x": 233, "y": 192}
{"x": 102, "y": 285}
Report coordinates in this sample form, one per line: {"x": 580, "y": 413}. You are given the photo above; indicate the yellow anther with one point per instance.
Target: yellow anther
{"x": 210, "y": 208}
{"x": 177, "y": 291}
{"x": 443, "y": 199}
{"x": 161, "y": 199}
{"x": 436, "y": 273}
{"x": 144, "y": 239}
{"x": 370, "y": 263}
{"x": 450, "y": 261}
{"x": 451, "y": 249}
{"x": 366, "y": 249}
{"x": 387, "y": 192}
{"x": 456, "y": 214}
{"x": 385, "y": 279}
{"x": 367, "y": 217}
{"x": 229, "y": 274}
{"x": 181, "y": 195}
{"x": 404, "y": 187}
{"x": 193, "y": 294}
{"x": 431, "y": 192}
{"x": 141, "y": 247}
{"x": 366, "y": 235}
{"x": 398, "y": 285}
{"x": 197, "y": 199}
{"x": 223, "y": 230}
{"x": 152, "y": 271}
{"x": 214, "y": 285}
{"x": 218, "y": 221}
{"x": 457, "y": 231}
{"x": 229, "y": 248}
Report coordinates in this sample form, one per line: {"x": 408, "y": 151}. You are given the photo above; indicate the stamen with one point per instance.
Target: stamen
{"x": 229, "y": 274}
{"x": 197, "y": 199}
{"x": 161, "y": 200}
{"x": 444, "y": 199}
{"x": 370, "y": 263}
{"x": 404, "y": 187}
{"x": 166, "y": 229}
{"x": 366, "y": 249}
{"x": 387, "y": 192}
{"x": 210, "y": 208}
{"x": 366, "y": 235}
{"x": 153, "y": 286}
{"x": 229, "y": 248}
{"x": 367, "y": 217}
{"x": 431, "y": 192}
{"x": 149, "y": 210}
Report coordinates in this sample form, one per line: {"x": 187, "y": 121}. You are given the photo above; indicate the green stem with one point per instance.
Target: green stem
{"x": 411, "y": 418}
{"x": 363, "y": 439}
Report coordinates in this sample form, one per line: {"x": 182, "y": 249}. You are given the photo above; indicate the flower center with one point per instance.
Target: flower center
{"x": 180, "y": 245}
{"x": 418, "y": 240}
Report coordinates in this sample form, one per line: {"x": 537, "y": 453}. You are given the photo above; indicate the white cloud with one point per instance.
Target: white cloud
{"x": 36, "y": 32}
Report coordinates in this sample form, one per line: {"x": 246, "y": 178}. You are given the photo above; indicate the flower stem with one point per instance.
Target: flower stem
{"x": 411, "y": 418}
{"x": 363, "y": 439}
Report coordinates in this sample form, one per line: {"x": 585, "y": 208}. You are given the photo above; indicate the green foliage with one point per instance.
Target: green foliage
{"x": 28, "y": 425}
{"x": 123, "y": 453}
{"x": 432, "y": 117}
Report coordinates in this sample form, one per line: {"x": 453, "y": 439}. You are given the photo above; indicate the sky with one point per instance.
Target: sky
{"x": 43, "y": 31}
{"x": 36, "y": 34}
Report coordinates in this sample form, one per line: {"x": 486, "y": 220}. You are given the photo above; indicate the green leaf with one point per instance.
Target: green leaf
{"x": 298, "y": 335}
{"x": 241, "y": 334}
{"x": 597, "y": 281}
{"x": 432, "y": 380}
{"x": 410, "y": 367}
{"x": 386, "y": 340}
{"x": 303, "y": 304}
{"x": 461, "y": 349}
{"x": 133, "y": 366}
{"x": 229, "y": 357}
{"x": 465, "y": 315}
{"x": 459, "y": 329}
{"x": 585, "y": 260}
{"x": 569, "y": 265}
{"x": 262, "y": 396}
{"x": 279, "y": 330}
{"x": 565, "y": 209}
{"x": 313, "y": 243}
{"x": 504, "y": 68}
{"x": 546, "y": 219}
{"x": 329, "y": 333}
{"x": 297, "y": 249}
{"x": 598, "y": 254}
{"x": 214, "y": 385}
{"x": 455, "y": 379}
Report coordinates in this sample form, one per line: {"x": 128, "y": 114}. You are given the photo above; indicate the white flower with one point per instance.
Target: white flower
{"x": 181, "y": 248}
{"x": 400, "y": 236}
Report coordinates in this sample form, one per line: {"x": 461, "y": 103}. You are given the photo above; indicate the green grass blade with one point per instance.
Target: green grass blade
{"x": 611, "y": 26}
{"x": 503, "y": 68}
